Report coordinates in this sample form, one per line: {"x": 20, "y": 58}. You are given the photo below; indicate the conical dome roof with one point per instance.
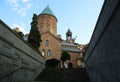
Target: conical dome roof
{"x": 47, "y": 10}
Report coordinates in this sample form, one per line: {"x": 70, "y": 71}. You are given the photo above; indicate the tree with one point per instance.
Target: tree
{"x": 34, "y": 37}
{"x": 65, "y": 56}
{"x": 20, "y": 33}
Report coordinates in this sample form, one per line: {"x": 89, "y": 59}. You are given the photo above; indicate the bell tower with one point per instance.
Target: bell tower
{"x": 69, "y": 36}
{"x": 47, "y": 22}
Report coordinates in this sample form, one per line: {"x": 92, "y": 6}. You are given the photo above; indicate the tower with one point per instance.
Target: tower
{"x": 47, "y": 25}
{"x": 47, "y": 22}
{"x": 69, "y": 36}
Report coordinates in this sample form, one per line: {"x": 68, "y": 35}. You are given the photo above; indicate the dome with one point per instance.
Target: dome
{"x": 47, "y": 10}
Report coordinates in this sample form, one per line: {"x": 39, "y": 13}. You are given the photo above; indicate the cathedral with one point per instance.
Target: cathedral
{"x": 52, "y": 44}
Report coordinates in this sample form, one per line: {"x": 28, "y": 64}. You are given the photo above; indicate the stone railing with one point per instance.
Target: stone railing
{"x": 18, "y": 60}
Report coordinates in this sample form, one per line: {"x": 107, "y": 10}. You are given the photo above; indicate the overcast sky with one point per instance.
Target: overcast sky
{"x": 80, "y": 16}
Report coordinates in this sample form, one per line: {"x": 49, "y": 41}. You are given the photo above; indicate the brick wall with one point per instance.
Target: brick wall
{"x": 54, "y": 46}
{"x": 47, "y": 21}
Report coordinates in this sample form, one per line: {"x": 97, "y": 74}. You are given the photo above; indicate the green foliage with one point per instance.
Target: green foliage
{"x": 20, "y": 34}
{"x": 65, "y": 56}
{"x": 34, "y": 37}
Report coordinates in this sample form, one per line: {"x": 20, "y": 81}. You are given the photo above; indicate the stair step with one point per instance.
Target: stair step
{"x": 35, "y": 81}
{"x": 63, "y": 75}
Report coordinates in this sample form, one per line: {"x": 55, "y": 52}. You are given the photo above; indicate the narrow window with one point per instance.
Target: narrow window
{"x": 49, "y": 53}
{"x": 40, "y": 29}
{"x": 47, "y": 28}
{"x": 43, "y": 52}
{"x": 47, "y": 43}
{"x": 79, "y": 62}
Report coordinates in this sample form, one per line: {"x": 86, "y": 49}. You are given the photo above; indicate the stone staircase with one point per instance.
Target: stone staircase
{"x": 63, "y": 75}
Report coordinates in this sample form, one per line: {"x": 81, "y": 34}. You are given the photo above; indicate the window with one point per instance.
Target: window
{"x": 69, "y": 38}
{"x": 52, "y": 31}
{"x": 40, "y": 29}
{"x": 47, "y": 28}
{"x": 47, "y": 43}
{"x": 79, "y": 62}
{"x": 43, "y": 52}
{"x": 49, "y": 53}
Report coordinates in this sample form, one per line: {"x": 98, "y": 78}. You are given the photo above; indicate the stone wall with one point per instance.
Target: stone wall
{"x": 103, "y": 54}
{"x": 18, "y": 61}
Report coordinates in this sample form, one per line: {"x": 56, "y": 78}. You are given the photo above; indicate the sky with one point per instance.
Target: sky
{"x": 80, "y": 16}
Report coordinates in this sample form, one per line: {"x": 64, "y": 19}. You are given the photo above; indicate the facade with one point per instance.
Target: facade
{"x": 52, "y": 45}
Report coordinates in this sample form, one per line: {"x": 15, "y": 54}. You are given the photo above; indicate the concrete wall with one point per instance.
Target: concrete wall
{"x": 103, "y": 54}
{"x": 18, "y": 61}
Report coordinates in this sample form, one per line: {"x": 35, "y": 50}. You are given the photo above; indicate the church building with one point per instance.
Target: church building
{"x": 52, "y": 44}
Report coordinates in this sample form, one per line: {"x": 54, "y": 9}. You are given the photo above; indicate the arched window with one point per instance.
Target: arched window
{"x": 47, "y": 27}
{"x": 79, "y": 62}
{"x": 70, "y": 65}
{"x": 49, "y": 53}
{"x": 40, "y": 29}
{"x": 47, "y": 43}
{"x": 52, "y": 30}
{"x": 43, "y": 52}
